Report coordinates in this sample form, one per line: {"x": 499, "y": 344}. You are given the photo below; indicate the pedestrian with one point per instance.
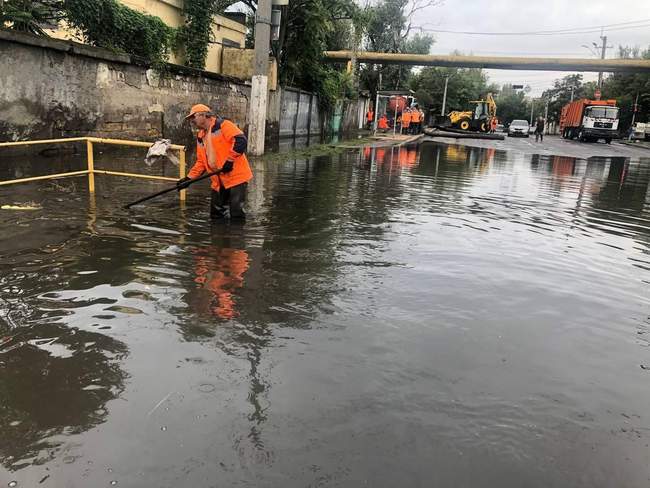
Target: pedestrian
{"x": 415, "y": 119}
{"x": 493, "y": 125}
{"x": 370, "y": 118}
{"x": 539, "y": 129}
{"x": 220, "y": 145}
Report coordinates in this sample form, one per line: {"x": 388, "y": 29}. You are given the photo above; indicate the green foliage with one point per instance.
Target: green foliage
{"x": 313, "y": 26}
{"x": 464, "y": 85}
{"x": 111, "y": 25}
{"x": 388, "y": 30}
{"x": 195, "y": 35}
{"x": 624, "y": 87}
{"x": 30, "y": 15}
{"x": 560, "y": 94}
{"x": 512, "y": 104}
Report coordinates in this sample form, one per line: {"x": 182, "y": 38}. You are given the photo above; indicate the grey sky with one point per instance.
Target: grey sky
{"x": 526, "y": 16}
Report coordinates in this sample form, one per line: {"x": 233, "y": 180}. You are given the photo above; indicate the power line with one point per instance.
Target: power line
{"x": 568, "y": 31}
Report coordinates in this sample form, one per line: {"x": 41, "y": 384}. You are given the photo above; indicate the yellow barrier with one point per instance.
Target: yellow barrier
{"x": 90, "y": 161}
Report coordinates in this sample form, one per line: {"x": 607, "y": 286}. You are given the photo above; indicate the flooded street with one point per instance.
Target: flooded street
{"x": 435, "y": 316}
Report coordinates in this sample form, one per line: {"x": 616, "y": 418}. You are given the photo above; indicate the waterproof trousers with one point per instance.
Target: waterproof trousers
{"x": 228, "y": 202}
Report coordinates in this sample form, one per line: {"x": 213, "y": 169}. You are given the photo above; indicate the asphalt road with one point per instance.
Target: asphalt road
{"x": 556, "y": 146}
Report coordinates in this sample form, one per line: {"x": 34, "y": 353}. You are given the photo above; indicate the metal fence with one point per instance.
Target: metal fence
{"x": 299, "y": 114}
{"x": 91, "y": 171}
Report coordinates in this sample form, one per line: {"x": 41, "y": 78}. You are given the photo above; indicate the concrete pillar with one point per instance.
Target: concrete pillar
{"x": 260, "y": 82}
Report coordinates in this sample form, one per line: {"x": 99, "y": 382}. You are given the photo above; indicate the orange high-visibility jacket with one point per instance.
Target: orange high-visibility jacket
{"x": 370, "y": 116}
{"x": 415, "y": 116}
{"x": 222, "y": 133}
{"x": 383, "y": 122}
{"x": 406, "y": 119}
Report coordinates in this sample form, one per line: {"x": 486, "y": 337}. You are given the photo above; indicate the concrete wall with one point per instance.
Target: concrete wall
{"x": 51, "y": 88}
{"x": 171, "y": 13}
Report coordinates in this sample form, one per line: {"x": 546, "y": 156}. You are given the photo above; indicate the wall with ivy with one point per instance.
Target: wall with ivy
{"x": 54, "y": 88}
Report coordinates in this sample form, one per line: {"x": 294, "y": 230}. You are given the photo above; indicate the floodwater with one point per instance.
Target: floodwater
{"x": 448, "y": 316}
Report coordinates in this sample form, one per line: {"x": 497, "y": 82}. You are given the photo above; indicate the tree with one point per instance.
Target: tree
{"x": 464, "y": 85}
{"x": 560, "y": 94}
{"x": 30, "y": 15}
{"x": 388, "y": 29}
{"x": 511, "y": 104}
{"x": 624, "y": 87}
{"x": 310, "y": 28}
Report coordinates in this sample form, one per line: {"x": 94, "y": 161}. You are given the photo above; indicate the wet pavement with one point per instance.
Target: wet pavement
{"x": 447, "y": 316}
{"x": 553, "y": 145}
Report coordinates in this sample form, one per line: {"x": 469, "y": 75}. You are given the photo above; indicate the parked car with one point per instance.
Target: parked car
{"x": 519, "y": 128}
{"x": 640, "y": 132}
{"x": 501, "y": 128}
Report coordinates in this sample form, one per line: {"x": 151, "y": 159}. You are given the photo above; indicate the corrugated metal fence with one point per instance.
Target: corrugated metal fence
{"x": 299, "y": 115}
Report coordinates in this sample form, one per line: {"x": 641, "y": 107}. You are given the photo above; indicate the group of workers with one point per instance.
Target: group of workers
{"x": 409, "y": 121}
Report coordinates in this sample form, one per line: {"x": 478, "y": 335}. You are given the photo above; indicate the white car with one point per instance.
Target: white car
{"x": 518, "y": 128}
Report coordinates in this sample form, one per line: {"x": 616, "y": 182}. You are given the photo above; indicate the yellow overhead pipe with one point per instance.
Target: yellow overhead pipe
{"x": 495, "y": 62}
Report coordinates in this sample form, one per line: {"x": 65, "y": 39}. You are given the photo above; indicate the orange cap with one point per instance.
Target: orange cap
{"x": 197, "y": 109}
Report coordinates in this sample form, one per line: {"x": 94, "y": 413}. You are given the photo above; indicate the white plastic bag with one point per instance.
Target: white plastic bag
{"x": 160, "y": 150}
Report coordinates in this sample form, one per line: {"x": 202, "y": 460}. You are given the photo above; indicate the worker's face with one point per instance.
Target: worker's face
{"x": 200, "y": 121}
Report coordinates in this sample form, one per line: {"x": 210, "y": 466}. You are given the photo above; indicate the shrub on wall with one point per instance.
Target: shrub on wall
{"x": 194, "y": 36}
{"x": 30, "y": 15}
{"x": 111, "y": 25}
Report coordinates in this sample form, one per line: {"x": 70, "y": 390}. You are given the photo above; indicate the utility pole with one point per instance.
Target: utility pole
{"x": 634, "y": 109}
{"x": 572, "y": 88}
{"x": 532, "y": 104}
{"x": 603, "y": 50}
{"x": 546, "y": 117}
{"x": 260, "y": 82}
{"x": 444, "y": 97}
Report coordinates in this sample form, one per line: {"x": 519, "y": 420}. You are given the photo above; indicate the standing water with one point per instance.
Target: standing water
{"x": 442, "y": 316}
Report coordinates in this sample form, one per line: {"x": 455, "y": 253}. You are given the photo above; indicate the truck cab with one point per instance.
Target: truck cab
{"x": 600, "y": 122}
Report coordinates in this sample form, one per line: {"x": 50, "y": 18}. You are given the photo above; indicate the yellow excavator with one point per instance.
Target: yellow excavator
{"x": 475, "y": 120}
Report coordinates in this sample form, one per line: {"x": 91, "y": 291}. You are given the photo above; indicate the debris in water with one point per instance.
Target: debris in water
{"x": 11, "y": 484}
{"x": 27, "y": 206}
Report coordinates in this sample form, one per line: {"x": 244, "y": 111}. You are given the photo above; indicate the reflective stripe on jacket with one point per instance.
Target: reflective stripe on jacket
{"x": 223, "y": 133}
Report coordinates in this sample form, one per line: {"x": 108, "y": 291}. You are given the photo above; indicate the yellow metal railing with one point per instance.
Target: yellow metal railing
{"x": 90, "y": 161}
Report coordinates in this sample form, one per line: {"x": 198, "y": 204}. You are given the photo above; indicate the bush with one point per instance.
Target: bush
{"x": 111, "y": 25}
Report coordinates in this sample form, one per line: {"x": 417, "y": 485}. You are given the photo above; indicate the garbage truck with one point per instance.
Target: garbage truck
{"x": 590, "y": 120}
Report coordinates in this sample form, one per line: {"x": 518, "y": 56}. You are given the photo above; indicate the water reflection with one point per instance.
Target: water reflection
{"x": 218, "y": 273}
{"x": 53, "y": 381}
{"x": 479, "y": 310}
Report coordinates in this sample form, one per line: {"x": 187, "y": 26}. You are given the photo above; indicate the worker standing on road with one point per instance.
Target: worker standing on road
{"x": 539, "y": 129}
{"x": 220, "y": 145}
{"x": 493, "y": 125}
{"x": 406, "y": 120}
{"x": 370, "y": 118}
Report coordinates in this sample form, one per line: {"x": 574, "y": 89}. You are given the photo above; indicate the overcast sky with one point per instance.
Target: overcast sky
{"x": 527, "y": 16}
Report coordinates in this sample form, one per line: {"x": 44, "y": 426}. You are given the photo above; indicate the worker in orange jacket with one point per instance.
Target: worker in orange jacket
{"x": 406, "y": 120}
{"x": 382, "y": 125}
{"x": 220, "y": 145}
{"x": 370, "y": 118}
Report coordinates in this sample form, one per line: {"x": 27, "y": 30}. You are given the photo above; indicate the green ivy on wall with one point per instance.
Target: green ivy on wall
{"x": 111, "y": 25}
{"x": 194, "y": 36}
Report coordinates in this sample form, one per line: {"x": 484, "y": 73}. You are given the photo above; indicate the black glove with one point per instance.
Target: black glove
{"x": 227, "y": 167}
{"x": 183, "y": 183}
